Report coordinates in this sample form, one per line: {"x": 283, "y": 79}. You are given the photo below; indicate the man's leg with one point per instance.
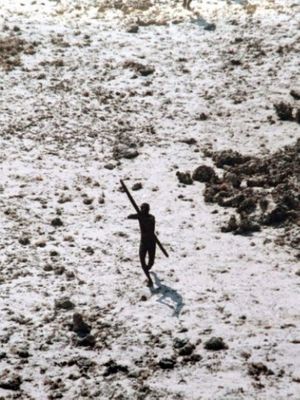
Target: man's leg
{"x": 143, "y": 252}
{"x": 151, "y": 253}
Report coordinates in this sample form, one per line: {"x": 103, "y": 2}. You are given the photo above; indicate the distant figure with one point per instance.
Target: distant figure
{"x": 79, "y": 326}
{"x": 187, "y": 4}
{"x": 148, "y": 241}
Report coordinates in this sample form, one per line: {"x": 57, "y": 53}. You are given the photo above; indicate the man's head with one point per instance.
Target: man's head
{"x": 145, "y": 208}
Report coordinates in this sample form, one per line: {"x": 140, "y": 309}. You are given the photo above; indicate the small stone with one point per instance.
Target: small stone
{"x": 189, "y": 141}
{"x": 9, "y": 381}
{"x": 295, "y": 93}
{"x": 137, "y": 186}
{"x": 204, "y": 173}
{"x": 187, "y": 350}
{"x": 184, "y": 178}
{"x": 64, "y": 303}
{"x": 56, "y": 222}
{"x": 210, "y": 27}
{"x": 112, "y": 368}
{"x": 88, "y": 201}
{"x": 167, "y": 363}
{"x": 258, "y": 368}
{"x": 133, "y": 29}
{"x": 24, "y": 241}
{"x": 179, "y": 343}
{"x": 215, "y": 344}
{"x": 109, "y": 166}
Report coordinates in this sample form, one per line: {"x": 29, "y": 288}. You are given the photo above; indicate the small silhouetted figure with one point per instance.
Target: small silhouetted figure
{"x": 187, "y": 4}
{"x": 148, "y": 241}
{"x": 79, "y": 326}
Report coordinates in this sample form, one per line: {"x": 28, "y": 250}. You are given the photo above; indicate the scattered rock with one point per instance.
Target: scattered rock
{"x": 257, "y": 369}
{"x": 143, "y": 70}
{"x": 88, "y": 201}
{"x": 284, "y": 111}
{"x": 56, "y": 222}
{"x": 24, "y": 241}
{"x": 167, "y": 363}
{"x": 295, "y": 93}
{"x": 184, "y": 178}
{"x": 210, "y": 27}
{"x": 189, "y": 141}
{"x": 179, "y": 343}
{"x": 230, "y": 158}
{"x": 204, "y": 173}
{"x": 186, "y": 350}
{"x": 137, "y": 186}
{"x": 109, "y": 166}
{"x": 64, "y": 303}
{"x": 133, "y": 29}
{"x": 215, "y": 344}
{"x": 10, "y": 381}
{"x": 231, "y": 225}
{"x": 113, "y": 368}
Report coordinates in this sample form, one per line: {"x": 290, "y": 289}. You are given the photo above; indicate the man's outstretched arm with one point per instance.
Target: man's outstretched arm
{"x": 133, "y": 216}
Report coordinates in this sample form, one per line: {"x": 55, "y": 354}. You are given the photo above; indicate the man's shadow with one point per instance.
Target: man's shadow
{"x": 176, "y": 303}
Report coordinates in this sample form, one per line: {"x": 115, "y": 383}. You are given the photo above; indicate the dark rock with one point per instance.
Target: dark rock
{"x": 137, "y": 186}
{"x": 184, "y": 178}
{"x": 276, "y": 216}
{"x": 167, "y": 363}
{"x": 284, "y": 111}
{"x": 56, "y": 222}
{"x": 189, "y": 141}
{"x": 130, "y": 154}
{"x": 246, "y": 226}
{"x": 203, "y": 116}
{"x": 9, "y": 381}
{"x": 24, "y": 241}
{"x": 295, "y": 93}
{"x": 210, "y": 27}
{"x": 179, "y": 343}
{"x": 64, "y": 303}
{"x": 79, "y": 326}
{"x": 230, "y": 158}
{"x": 113, "y": 368}
{"x": 234, "y": 179}
{"x": 297, "y": 116}
{"x": 88, "y": 201}
{"x": 247, "y": 205}
{"x": 215, "y": 344}
{"x": 109, "y": 166}
{"x": 231, "y": 225}
{"x": 193, "y": 358}
{"x": 133, "y": 29}
{"x": 186, "y": 350}
{"x": 204, "y": 173}
{"x": 143, "y": 70}
{"x": 234, "y": 201}
{"x": 257, "y": 369}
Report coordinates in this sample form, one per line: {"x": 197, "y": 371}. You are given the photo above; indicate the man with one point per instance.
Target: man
{"x": 148, "y": 241}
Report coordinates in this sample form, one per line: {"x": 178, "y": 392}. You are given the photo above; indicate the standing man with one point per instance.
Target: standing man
{"x": 148, "y": 239}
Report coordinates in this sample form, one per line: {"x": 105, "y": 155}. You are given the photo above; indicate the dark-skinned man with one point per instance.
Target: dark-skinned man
{"x": 148, "y": 241}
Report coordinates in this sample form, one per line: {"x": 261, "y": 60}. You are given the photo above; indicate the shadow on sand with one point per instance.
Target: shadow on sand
{"x": 168, "y": 296}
